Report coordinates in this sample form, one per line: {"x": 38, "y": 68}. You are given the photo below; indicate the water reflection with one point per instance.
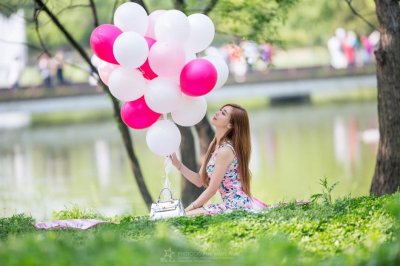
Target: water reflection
{"x": 46, "y": 169}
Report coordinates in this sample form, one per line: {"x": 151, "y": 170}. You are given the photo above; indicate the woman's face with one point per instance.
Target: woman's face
{"x": 222, "y": 117}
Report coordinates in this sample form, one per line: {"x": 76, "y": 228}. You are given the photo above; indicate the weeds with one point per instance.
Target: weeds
{"x": 326, "y": 192}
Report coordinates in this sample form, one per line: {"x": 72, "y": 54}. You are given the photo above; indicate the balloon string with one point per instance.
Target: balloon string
{"x": 167, "y": 169}
{"x": 165, "y": 116}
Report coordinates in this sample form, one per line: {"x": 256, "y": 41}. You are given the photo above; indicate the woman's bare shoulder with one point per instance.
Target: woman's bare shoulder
{"x": 225, "y": 153}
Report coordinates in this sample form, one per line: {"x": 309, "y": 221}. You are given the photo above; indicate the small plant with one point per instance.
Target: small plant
{"x": 326, "y": 192}
{"x": 76, "y": 212}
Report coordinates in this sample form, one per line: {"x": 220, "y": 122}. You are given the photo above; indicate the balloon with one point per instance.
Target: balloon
{"x": 153, "y": 17}
{"x": 198, "y": 77}
{"x": 102, "y": 40}
{"x": 173, "y": 25}
{"x": 126, "y": 84}
{"x": 95, "y": 60}
{"x": 130, "y": 49}
{"x": 136, "y": 114}
{"x": 202, "y": 32}
{"x": 105, "y": 70}
{"x": 190, "y": 111}
{"x": 131, "y": 17}
{"x": 163, "y": 95}
{"x": 146, "y": 70}
{"x": 167, "y": 58}
{"x": 221, "y": 67}
{"x": 163, "y": 138}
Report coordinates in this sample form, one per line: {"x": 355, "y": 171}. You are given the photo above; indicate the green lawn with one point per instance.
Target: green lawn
{"x": 349, "y": 231}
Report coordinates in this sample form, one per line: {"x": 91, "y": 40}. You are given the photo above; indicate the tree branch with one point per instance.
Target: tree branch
{"x": 62, "y": 11}
{"x": 113, "y": 11}
{"x": 42, "y": 7}
{"x": 43, "y": 47}
{"x": 115, "y": 103}
{"x": 36, "y": 14}
{"x": 355, "y": 12}
{"x": 210, "y": 7}
{"x": 94, "y": 12}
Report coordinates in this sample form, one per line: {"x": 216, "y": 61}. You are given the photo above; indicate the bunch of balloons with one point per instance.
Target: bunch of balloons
{"x": 149, "y": 62}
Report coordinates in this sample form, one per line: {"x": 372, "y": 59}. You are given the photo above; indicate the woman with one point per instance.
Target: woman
{"x": 226, "y": 165}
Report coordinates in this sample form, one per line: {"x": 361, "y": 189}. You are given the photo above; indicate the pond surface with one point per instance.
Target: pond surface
{"x": 45, "y": 169}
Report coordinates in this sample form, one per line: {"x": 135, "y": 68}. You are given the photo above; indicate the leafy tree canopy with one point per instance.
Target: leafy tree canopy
{"x": 308, "y": 22}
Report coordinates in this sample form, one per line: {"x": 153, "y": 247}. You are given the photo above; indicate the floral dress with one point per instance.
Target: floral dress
{"x": 232, "y": 194}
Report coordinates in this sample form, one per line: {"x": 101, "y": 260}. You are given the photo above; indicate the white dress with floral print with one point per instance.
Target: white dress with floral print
{"x": 231, "y": 190}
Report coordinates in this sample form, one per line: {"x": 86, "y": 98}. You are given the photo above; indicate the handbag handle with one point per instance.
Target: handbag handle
{"x": 170, "y": 193}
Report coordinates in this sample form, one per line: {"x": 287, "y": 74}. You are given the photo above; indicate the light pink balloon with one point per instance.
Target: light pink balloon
{"x": 153, "y": 17}
{"x": 146, "y": 70}
{"x": 136, "y": 114}
{"x": 105, "y": 70}
{"x": 198, "y": 77}
{"x": 167, "y": 59}
{"x": 102, "y": 40}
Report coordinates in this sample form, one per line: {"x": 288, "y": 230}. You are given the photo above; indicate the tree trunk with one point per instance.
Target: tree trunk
{"x": 205, "y": 133}
{"x": 387, "y": 169}
{"x": 189, "y": 192}
{"x": 121, "y": 125}
{"x": 128, "y": 144}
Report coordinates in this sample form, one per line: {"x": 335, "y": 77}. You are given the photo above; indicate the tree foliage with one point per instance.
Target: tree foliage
{"x": 257, "y": 20}
{"x": 313, "y": 22}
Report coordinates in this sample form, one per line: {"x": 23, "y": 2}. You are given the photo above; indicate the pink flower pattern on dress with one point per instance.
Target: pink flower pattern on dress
{"x": 231, "y": 190}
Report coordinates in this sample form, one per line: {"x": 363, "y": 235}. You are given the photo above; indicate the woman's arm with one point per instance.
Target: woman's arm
{"x": 223, "y": 160}
{"x": 190, "y": 175}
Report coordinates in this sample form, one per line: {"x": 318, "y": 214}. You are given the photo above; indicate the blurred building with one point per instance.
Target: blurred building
{"x": 12, "y": 44}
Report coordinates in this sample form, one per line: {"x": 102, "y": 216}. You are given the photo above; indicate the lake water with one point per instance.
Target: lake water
{"x": 45, "y": 169}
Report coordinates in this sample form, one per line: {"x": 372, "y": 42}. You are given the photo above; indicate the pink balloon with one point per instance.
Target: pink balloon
{"x": 136, "y": 114}
{"x": 102, "y": 41}
{"x": 146, "y": 70}
{"x": 198, "y": 77}
{"x": 105, "y": 70}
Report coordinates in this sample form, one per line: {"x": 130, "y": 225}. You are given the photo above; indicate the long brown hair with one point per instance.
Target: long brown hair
{"x": 239, "y": 136}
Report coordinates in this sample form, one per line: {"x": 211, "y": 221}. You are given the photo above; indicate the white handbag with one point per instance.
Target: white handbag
{"x": 166, "y": 208}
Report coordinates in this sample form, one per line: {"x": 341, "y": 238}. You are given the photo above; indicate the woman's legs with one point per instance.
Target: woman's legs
{"x": 196, "y": 212}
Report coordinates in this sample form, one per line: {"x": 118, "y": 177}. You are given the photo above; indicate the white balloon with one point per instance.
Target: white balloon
{"x": 190, "y": 111}
{"x": 130, "y": 49}
{"x": 105, "y": 69}
{"x": 163, "y": 138}
{"x": 95, "y": 60}
{"x": 173, "y": 25}
{"x": 202, "y": 32}
{"x": 153, "y": 17}
{"x": 131, "y": 17}
{"x": 167, "y": 58}
{"x": 221, "y": 67}
{"x": 163, "y": 95}
{"x": 127, "y": 84}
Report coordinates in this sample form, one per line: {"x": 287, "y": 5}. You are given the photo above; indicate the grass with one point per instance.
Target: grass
{"x": 349, "y": 231}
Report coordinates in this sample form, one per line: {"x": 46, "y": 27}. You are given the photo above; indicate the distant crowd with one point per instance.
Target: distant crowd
{"x": 348, "y": 49}
{"x": 244, "y": 57}
{"x": 50, "y": 69}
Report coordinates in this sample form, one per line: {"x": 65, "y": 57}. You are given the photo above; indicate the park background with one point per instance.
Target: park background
{"x": 314, "y": 125}
{"x": 60, "y": 146}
